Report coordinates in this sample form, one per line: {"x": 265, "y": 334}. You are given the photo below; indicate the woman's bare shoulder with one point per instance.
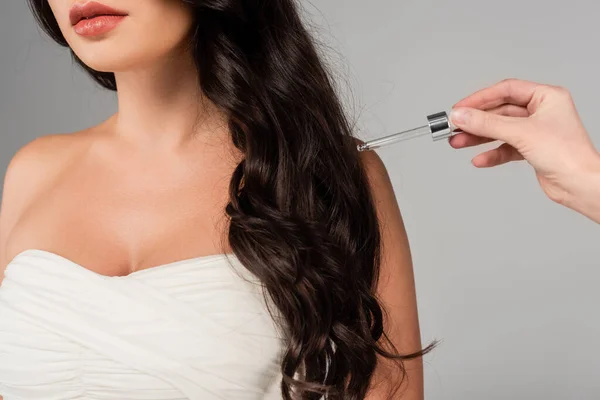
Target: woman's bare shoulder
{"x": 38, "y": 160}
{"x": 52, "y": 148}
{"x": 32, "y": 169}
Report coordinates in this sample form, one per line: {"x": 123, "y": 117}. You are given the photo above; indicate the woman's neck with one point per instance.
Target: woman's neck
{"x": 162, "y": 107}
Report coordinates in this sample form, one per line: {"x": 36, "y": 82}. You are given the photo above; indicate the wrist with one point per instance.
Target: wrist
{"x": 584, "y": 196}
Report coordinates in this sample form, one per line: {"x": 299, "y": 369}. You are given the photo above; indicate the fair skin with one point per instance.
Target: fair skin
{"x": 396, "y": 290}
{"x": 149, "y": 184}
{"x": 540, "y": 124}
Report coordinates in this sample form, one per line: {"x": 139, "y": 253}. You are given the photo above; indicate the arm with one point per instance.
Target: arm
{"x": 8, "y": 211}
{"x": 29, "y": 172}
{"x": 584, "y": 196}
{"x": 396, "y": 290}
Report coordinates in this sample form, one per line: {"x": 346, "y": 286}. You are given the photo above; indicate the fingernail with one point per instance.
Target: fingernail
{"x": 460, "y": 116}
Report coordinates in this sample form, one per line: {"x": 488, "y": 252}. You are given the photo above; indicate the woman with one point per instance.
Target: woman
{"x": 231, "y": 154}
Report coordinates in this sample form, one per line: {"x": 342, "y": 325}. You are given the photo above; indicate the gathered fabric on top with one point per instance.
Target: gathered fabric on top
{"x": 192, "y": 329}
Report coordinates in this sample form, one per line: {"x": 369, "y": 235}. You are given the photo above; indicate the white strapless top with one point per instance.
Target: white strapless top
{"x": 193, "y": 329}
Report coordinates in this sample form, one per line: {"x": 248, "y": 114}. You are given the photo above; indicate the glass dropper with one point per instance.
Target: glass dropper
{"x": 438, "y": 126}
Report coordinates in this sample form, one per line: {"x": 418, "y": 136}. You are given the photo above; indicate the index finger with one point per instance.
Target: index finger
{"x": 508, "y": 91}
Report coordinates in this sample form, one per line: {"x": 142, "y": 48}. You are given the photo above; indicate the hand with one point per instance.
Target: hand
{"x": 538, "y": 123}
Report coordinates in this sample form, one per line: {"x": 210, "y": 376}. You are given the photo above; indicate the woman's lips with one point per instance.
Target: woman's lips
{"x": 93, "y": 18}
{"x": 98, "y": 25}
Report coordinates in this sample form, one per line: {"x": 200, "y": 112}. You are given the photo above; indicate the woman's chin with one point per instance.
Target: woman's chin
{"x": 113, "y": 59}
{"x": 102, "y": 63}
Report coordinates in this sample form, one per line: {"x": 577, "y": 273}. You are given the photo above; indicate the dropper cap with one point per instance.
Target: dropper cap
{"x": 440, "y": 126}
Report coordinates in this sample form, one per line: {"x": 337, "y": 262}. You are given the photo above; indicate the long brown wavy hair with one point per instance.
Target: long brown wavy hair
{"x": 302, "y": 218}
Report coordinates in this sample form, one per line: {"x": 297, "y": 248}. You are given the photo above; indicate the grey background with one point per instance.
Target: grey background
{"x": 505, "y": 278}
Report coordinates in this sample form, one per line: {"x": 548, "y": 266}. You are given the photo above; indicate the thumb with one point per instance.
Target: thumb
{"x": 485, "y": 124}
